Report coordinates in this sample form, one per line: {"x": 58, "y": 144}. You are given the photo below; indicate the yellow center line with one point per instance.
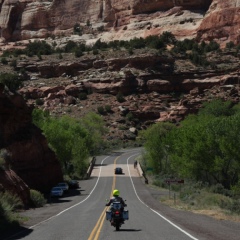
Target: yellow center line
{"x": 97, "y": 229}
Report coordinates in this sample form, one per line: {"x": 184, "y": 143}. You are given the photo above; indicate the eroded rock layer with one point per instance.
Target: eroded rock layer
{"x": 121, "y": 19}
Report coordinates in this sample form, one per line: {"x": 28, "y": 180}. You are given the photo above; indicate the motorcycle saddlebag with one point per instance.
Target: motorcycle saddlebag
{"x": 108, "y": 215}
{"x": 125, "y": 214}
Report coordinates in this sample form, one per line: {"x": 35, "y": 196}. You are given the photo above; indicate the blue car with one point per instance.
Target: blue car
{"x": 56, "y": 192}
{"x": 118, "y": 170}
{"x": 64, "y": 186}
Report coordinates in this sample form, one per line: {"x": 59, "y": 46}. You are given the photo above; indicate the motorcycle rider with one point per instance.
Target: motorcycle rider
{"x": 116, "y": 198}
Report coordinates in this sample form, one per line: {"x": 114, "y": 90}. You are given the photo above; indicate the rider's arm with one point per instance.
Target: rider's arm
{"x": 109, "y": 202}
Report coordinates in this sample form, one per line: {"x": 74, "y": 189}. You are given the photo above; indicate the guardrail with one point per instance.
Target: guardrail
{"x": 141, "y": 172}
{"x": 90, "y": 168}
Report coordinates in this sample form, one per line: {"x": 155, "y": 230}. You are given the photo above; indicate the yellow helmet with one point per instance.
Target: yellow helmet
{"x": 116, "y": 192}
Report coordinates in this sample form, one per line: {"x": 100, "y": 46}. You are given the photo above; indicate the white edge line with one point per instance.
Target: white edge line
{"x": 31, "y": 227}
{"x": 174, "y": 225}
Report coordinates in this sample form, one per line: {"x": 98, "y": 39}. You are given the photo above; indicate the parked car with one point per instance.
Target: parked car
{"x": 56, "y": 192}
{"x": 73, "y": 184}
{"x": 64, "y": 186}
{"x": 118, "y": 170}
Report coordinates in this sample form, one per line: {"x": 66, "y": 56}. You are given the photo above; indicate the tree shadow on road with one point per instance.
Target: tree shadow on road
{"x": 16, "y": 233}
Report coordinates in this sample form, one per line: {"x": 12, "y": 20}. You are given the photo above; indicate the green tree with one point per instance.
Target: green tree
{"x": 205, "y": 147}
{"x": 156, "y": 146}
{"x": 94, "y": 124}
{"x": 72, "y": 140}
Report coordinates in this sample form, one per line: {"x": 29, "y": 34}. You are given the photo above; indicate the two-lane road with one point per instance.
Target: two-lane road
{"x": 148, "y": 218}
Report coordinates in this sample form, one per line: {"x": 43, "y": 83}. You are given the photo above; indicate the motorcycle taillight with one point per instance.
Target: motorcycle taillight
{"x": 117, "y": 212}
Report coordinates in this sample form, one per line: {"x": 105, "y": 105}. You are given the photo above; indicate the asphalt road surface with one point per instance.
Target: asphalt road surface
{"x": 82, "y": 216}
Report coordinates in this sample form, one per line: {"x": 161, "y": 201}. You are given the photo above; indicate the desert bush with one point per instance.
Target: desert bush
{"x": 77, "y": 29}
{"x": 39, "y": 102}
{"x": 233, "y": 206}
{"x": 82, "y": 96}
{"x": 230, "y": 45}
{"x": 101, "y": 110}
{"x": 95, "y": 51}
{"x": 120, "y": 97}
{"x": 2, "y": 163}
{"x": 37, "y": 198}
{"x": 130, "y": 51}
{"x": 4, "y": 61}
{"x": 13, "y": 63}
{"x": 70, "y": 46}
{"x": 10, "y": 202}
{"x": 101, "y": 28}
{"x": 78, "y": 53}
{"x": 5, "y": 157}
{"x": 108, "y": 108}
{"x": 38, "y": 47}
{"x": 218, "y": 188}
{"x": 11, "y": 80}
{"x": 130, "y": 116}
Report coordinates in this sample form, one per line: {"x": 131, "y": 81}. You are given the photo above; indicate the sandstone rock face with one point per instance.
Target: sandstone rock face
{"x": 10, "y": 181}
{"x": 221, "y": 22}
{"x": 121, "y": 19}
{"x": 31, "y": 158}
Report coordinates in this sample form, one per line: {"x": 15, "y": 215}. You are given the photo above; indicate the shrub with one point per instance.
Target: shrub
{"x": 5, "y": 157}
{"x": 100, "y": 29}
{"x": 230, "y": 45}
{"x": 82, "y": 96}
{"x": 78, "y": 53}
{"x": 95, "y": 52}
{"x": 120, "y": 97}
{"x": 108, "y": 108}
{"x": 70, "y": 46}
{"x": 39, "y": 102}
{"x": 233, "y": 206}
{"x": 101, "y": 110}
{"x": 38, "y": 47}
{"x": 130, "y": 116}
{"x": 13, "y": 63}
{"x": 2, "y": 163}
{"x": 11, "y": 80}
{"x": 10, "y": 202}
{"x": 88, "y": 23}
{"x": 130, "y": 51}
{"x": 77, "y": 29}
{"x": 218, "y": 188}
{"x": 39, "y": 56}
{"x": 4, "y": 61}
{"x": 37, "y": 198}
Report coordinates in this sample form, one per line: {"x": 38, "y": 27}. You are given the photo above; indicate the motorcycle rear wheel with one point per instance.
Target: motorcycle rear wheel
{"x": 117, "y": 226}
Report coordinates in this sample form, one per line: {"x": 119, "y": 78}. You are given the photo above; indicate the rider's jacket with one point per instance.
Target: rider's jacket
{"x": 116, "y": 199}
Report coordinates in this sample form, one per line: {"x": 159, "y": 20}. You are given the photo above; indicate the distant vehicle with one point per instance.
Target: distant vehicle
{"x": 73, "y": 184}
{"x": 56, "y": 192}
{"x": 64, "y": 186}
{"x": 118, "y": 170}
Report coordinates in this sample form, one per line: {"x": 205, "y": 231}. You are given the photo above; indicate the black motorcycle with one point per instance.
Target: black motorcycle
{"x": 116, "y": 215}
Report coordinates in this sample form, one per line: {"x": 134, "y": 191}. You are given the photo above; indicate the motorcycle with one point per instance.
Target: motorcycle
{"x": 116, "y": 215}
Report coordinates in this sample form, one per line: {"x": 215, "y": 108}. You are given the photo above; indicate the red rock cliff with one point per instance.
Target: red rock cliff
{"x": 122, "y": 19}
{"x": 31, "y": 158}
